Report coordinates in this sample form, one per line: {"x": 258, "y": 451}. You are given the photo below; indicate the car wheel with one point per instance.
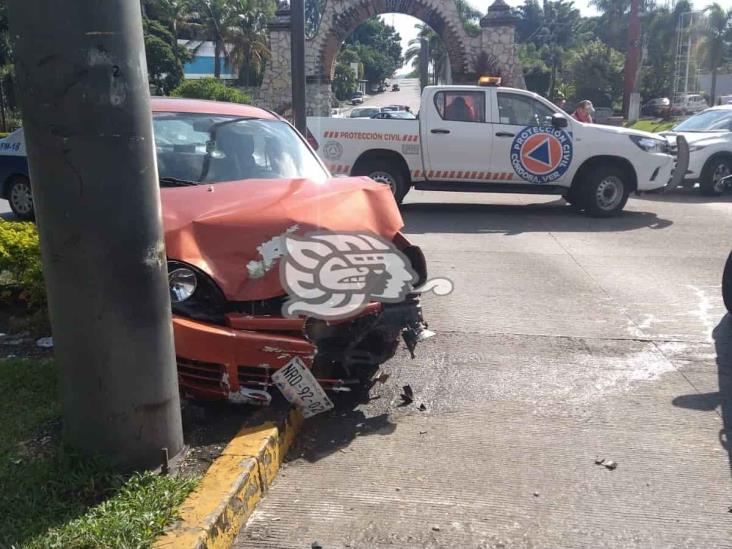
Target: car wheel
{"x": 727, "y": 284}
{"x": 20, "y": 198}
{"x": 388, "y": 173}
{"x": 716, "y": 169}
{"x": 605, "y": 192}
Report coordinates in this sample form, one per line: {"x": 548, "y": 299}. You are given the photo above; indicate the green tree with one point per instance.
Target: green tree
{"x": 613, "y": 22}
{"x": 469, "y": 16}
{"x": 165, "y": 58}
{"x": 248, "y": 38}
{"x": 344, "y": 82}
{"x": 558, "y": 33}
{"x": 659, "y": 37}
{"x": 212, "y": 89}
{"x": 212, "y": 20}
{"x": 715, "y": 45}
{"x": 437, "y": 52}
{"x": 597, "y": 74}
{"x": 378, "y": 47}
{"x": 531, "y": 19}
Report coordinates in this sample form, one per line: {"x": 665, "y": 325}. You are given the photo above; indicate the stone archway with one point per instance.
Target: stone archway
{"x": 493, "y": 48}
{"x": 341, "y": 18}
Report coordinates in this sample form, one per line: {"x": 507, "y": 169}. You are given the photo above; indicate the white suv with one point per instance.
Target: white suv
{"x": 690, "y": 103}
{"x": 709, "y": 134}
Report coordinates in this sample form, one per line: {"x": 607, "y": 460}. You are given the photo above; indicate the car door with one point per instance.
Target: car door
{"x": 457, "y": 138}
{"x": 526, "y": 145}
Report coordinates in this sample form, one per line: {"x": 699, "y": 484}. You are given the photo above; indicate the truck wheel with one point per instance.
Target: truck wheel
{"x": 605, "y": 191}
{"x": 20, "y": 198}
{"x": 714, "y": 171}
{"x": 727, "y": 284}
{"x": 387, "y": 173}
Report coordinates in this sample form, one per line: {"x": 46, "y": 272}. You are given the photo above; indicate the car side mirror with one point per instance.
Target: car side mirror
{"x": 559, "y": 121}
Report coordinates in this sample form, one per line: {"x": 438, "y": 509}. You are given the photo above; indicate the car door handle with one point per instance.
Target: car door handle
{"x": 505, "y": 134}
{"x": 444, "y": 132}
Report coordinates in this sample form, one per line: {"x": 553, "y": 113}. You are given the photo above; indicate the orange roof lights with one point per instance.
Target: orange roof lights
{"x": 489, "y": 81}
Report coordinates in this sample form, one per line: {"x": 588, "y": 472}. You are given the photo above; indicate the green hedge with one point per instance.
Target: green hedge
{"x": 210, "y": 88}
{"x": 20, "y": 261}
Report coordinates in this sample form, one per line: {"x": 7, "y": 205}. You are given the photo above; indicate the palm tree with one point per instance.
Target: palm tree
{"x": 248, "y": 37}
{"x": 212, "y": 20}
{"x": 717, "y": 35}
{"x": 437, "y": 52}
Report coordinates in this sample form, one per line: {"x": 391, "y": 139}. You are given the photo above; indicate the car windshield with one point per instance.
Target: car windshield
{"x": 204, "y": 148}
{"x": 707, "y": 121}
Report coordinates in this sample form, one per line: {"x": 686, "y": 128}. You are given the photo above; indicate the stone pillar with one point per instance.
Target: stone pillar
{"x": 276, "y": 90}
{"x": 499, "y": 46}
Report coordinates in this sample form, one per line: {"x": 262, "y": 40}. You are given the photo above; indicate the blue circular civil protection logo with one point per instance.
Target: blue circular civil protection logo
{"x": 541, "y": 154}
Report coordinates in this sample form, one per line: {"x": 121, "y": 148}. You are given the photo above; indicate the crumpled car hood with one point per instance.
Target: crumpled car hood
{"x": 228, "y": 230}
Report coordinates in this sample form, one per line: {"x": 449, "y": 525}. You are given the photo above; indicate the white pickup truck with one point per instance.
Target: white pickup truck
{"x": 495, "y": 139}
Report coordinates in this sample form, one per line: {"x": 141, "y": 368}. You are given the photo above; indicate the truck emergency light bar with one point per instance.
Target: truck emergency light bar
{"x": 489, "y": 81}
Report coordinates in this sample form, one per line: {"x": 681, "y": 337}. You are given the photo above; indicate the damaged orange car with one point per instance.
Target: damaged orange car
{"x": 235, "y": 179}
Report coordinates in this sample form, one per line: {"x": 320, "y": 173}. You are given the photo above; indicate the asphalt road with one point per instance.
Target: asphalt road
{"x": 408, "y": 95}
{"x": 567, "y": 340}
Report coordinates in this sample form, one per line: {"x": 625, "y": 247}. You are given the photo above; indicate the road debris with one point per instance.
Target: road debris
{"x": 316, "y": 545}
{"x": 383, "y": 378}
{"x": 407, "y": 395}
{"x": 607, "y": 463}
{"x": 422, "y": 408}
{"x": 436, "y": 528}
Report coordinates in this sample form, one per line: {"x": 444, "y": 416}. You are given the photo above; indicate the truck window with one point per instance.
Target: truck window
{"x": 461, "y": 106}
{"x": 519, "y": 110}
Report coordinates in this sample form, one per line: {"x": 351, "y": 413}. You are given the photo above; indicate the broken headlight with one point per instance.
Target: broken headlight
{"x": 182, "y": 282}
{"x": 194, "y": 294}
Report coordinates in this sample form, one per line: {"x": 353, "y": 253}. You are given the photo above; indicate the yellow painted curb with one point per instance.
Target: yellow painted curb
{"x": 214, "y": 513}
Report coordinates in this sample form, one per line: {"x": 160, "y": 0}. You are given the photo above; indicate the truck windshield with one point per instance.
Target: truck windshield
{"x": 202, "y": 148}
{"x": 707, "y": 121}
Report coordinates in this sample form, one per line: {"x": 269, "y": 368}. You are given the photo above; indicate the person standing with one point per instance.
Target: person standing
{"x": 584, "y": 111}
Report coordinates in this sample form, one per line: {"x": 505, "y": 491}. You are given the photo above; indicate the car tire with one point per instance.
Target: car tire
{"x": 388, "y": 173}
{"x": 604, "y": 192}
{"x": 714, "y": 170}
{"x": 727, "y": 284}
{"x": 20, "y": 198}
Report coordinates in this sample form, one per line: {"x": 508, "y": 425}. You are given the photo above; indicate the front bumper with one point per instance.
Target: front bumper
{"x": 236, "y": 362}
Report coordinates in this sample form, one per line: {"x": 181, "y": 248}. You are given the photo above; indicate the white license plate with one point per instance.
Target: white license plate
{"x": 300, "y": 388}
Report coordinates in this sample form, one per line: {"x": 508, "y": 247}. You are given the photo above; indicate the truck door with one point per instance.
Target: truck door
{"x": 456, "y": 137}
{"x": 526, "y": 145}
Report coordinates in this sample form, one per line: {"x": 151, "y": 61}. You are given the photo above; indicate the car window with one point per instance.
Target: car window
{"x": 707, "y": 121}
{"x": 520, "y": 110}
{"x": 461, "y": 106}
{"x": 212, "y": 149}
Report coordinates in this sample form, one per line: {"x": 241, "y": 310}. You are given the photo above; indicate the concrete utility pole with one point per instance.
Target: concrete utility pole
{"x": 632, "y": 60}
{"x": 297, "y": 48}
{"x": 86, "y": 112}
{"x": 424, "y": 63}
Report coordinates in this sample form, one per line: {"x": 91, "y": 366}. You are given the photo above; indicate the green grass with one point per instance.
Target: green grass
{"x": 51, "y": 497}
{"x": 653, "y": 126}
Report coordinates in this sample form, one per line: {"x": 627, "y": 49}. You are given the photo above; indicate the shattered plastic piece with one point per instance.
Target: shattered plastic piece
{"x": 607, "y": 463}
{"x": 45, "y": 343}
{"x": 383, "y": 378}
{"x": 422, "y": 408}
{"x": 407, "y": 395}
